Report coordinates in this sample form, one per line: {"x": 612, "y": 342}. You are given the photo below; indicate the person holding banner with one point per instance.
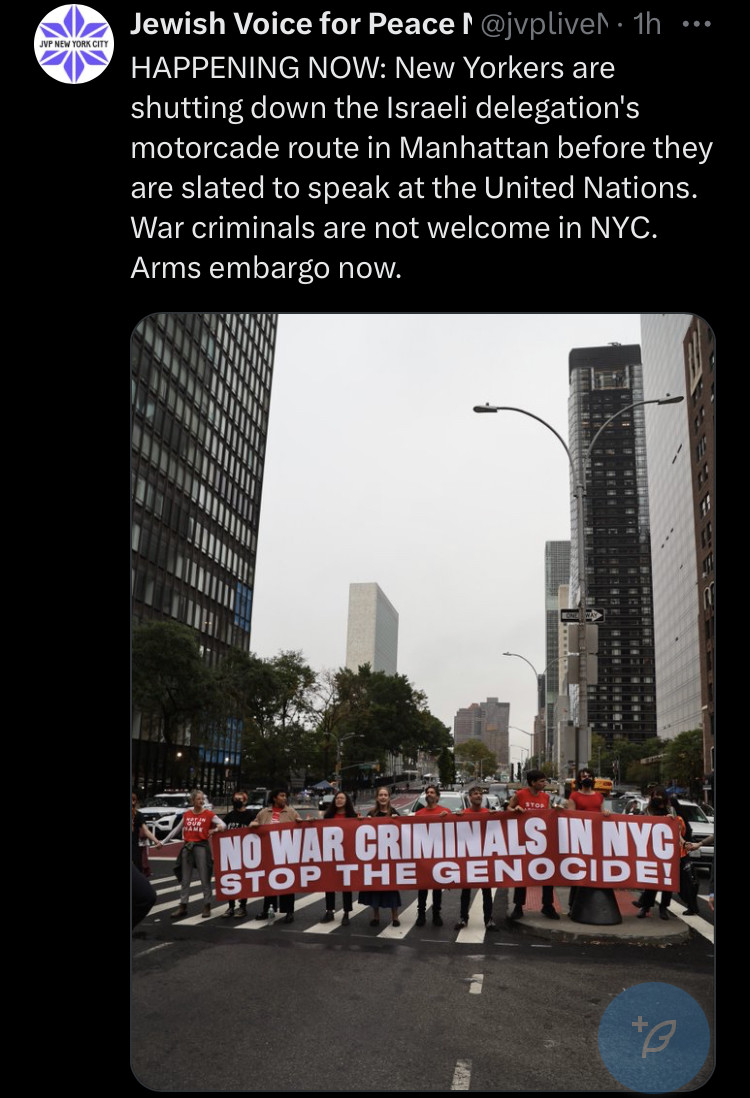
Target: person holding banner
{"x": 659, "y": 806}
{"x": 391, "y": 899}
{"x": 476, "y": 809}
{"x": 240, "y": 816}
{"x": 340, "y": 807}
{"x": 431, "y": 808}
{"x": 278, "y": 812}
{"x": 584, "y": 798}
{"x": 196, "y": 824}
{"x": 533, "y": 799}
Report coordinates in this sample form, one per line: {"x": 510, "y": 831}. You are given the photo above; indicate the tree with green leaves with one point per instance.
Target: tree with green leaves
{"x": 478, "y": 756}
{"x": 273, "y": 701}
{"x": 171, "y": 684}
{"x": 683, "y": 765}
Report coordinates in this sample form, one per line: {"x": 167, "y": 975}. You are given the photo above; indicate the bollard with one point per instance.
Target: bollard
{"x": 596, "y": 906}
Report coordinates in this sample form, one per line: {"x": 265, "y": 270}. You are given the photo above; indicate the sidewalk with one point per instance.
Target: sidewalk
{"x": 634, "y": 931}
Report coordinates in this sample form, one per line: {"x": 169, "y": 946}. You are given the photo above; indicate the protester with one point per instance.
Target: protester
{"x": 278, "y": 812}
{"x": 238, "y": 817}
{"x": 387, "y": 899}
{"x": 476, "y": 809}
{"x": 141, "y": 836}
{"x": 431, "y": 808}
{"x": 584, "y": 798}
{"x": 341, "y": 807}
{"x": 196, "y": 824}
{"x": 533, "y": 799}
{"x": 658, "y": 805}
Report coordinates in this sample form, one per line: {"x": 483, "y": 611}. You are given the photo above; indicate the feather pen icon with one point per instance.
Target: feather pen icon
{"x": 664, "y": 1040}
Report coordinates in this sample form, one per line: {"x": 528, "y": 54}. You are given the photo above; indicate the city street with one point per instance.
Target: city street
{"x": 230, "y": 1004}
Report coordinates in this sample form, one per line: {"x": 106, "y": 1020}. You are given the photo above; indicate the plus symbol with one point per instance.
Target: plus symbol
{"x": 639, "y": 1024}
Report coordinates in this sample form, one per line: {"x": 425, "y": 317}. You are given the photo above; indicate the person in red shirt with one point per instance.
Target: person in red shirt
{"x": 476, "y": 808}
{"x": 532, "y": 799}
{"x": 196, "y": 825}
{"x": 431, "y": 808}
{"x": 584, "y": 798}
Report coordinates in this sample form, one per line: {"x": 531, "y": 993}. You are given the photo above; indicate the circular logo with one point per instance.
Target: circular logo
{"x": 654, "y": 1038}
{"x": 73, "y": 44}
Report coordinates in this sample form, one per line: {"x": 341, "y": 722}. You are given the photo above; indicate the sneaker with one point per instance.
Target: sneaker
{"x": 206, "y": 913}
{"x": 240, "y": 913}
{"x": 345, "y": 920}
{"x": 436, "y": 919}
{"x": 691, "y": 911}
{"x": 228, "y": 914}
{"x": 516, "y": 913}
{"x": 461, "y": 924}
{"x": 663, "y": 913}
{"x": 550, "y": 912}
{"x": 328, "y": 917}
{"x": 421, "y": 919}
{"x": 179, "y": 912}
{"x": 395, "y": 922}
{"x": 490, "y": 925}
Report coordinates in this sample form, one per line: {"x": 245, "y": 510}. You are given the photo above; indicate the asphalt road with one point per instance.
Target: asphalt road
{"x": 230, "y": 1005}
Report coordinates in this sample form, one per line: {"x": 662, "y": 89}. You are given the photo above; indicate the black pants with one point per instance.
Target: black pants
{"x": 486, "y": 903}
{"x": 331, "y": 901}
{"x": 648, "y": 899}
{"x": 548, "y": 896}
{"x": 437, "y": 900}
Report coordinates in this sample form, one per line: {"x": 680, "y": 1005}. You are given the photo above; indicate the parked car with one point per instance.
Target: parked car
{"x": 449, "y": 799}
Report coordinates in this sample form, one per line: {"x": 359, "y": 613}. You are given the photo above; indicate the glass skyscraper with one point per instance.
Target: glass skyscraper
{"x": 201, "y": 389}
{"x": 603, "y": 381}
{"x": 556, "y": 574}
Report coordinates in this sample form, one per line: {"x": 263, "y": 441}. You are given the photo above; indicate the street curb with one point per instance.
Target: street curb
{"x": 654, "y": 933}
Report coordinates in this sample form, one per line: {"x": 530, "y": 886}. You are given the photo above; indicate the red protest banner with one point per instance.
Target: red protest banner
{"x": 503, "y": 849}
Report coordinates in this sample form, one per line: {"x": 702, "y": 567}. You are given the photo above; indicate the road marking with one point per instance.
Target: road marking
{"x": 462, "y": 1075}
{"x": 475, "y": 987}
{"x": 696, "y": 922}
{"x": 153, "y": 949}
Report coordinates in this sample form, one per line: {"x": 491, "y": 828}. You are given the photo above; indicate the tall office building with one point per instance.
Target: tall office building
{"x": 671, "y": 445}
{"x": 486, "y": 721}
{"x": 201, "y": 387}
{"x": 372, "y": 629}
{"x": 604, "y": 381}
{"x": 556, "y": 573}
{"x": 700, "y": 375}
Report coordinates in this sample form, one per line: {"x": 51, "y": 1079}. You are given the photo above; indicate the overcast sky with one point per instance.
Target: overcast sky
{"x": 377, "y": 470}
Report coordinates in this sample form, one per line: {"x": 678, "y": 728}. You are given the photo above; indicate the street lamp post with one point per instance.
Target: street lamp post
{"x": 579, "y": 480}
{"x": 531, "y": 738}
{"x": 537, "y": 677}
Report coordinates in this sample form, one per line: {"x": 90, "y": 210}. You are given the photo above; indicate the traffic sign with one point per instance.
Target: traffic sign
{"x": 573, "y": 615}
